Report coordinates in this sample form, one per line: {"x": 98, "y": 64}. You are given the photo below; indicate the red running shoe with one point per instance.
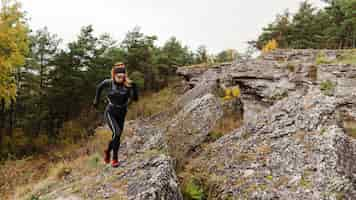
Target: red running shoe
{"x": 115, "y": 163}
{"x": 107, "y": 156}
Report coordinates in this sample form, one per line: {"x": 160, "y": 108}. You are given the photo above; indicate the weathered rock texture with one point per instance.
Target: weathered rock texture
{"x": 295, "y": 142}
{"x": 191, "y": 126}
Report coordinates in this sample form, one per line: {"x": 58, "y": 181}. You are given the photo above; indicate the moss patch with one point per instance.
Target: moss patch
{"x": 327, "y": 87}
{"x": 322, "y": 59}
{"x": 347, "y": 58}
{"x": 193, "y": 190}
{"x": 290, "y": 67}
{"x": 215, "y": 135}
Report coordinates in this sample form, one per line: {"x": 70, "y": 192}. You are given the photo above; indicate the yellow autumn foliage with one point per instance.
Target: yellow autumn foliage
{"x": 270, "y": 46}
{"x": 231, "y": 93}
{"x": 236, "y": 92}
{"x": 13, "y": 46}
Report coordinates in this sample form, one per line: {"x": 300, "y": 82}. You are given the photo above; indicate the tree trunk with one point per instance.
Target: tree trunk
{"x": 2, "y": 118}
{"x": 39, "y": 123}
{"x": 11, "y": 122}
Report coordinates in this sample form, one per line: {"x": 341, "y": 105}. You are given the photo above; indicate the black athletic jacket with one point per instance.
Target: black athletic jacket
{"x": 119, "y": 95}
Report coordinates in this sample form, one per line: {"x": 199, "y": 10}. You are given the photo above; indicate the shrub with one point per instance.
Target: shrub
{"x": 215, "y": 135}
{"x": 270, "y": 46}
{"x": 313, "y": 72}
{"x": 60, "y": 170}
{"x": 231, "y": 93}
{"x": 348, "y": 57}
{"x": 322, "y": 59}
{"x": 15, "y": 145}
{"x": 327, "y": 87}
{"x": 291, "y": 67}
{"x": 138, "y": 78}
{"x": 193, "y": 190}
{"x": 71, "y": 132}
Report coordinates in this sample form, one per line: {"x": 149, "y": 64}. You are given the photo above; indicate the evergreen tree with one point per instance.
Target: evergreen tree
{"x": 331, "y": 27}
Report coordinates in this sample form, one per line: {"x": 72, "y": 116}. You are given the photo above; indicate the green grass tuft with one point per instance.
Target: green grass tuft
{"x": 290, "y": 67}
{"x": 193, "y": 190}
{"x": 94, "y": 160}
{"x": 347, "y": 58}
{"x": 270, "y": 177}
{"x": 351, "y": 132}
{"x": 322, "y": 59}
{"x": 327, "y": 87}
{"x": 215, "y": 135}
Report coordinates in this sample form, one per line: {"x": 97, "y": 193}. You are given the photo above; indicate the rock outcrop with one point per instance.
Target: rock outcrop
{"x": 297, "y": 141}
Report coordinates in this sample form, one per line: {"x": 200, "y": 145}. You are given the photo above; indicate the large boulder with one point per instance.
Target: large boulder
{"x": 191, "y": 126}
{"x": 295, "y": 149}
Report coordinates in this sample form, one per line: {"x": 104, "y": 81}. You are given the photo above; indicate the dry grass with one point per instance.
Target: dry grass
{"x": 264, "y": 149}
{"x": 347, "y": 58}
{"x": 350, "y": 128}
{"x": 22, "y": 176}
{"x": 152, "y": 103}
{"x": 313, "y": 72}
{"x": 81, "y": 167}
{"x": 224, "y": 126}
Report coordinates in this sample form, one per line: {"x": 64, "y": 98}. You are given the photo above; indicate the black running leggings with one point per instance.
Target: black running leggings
{"x": 115, "y": 118}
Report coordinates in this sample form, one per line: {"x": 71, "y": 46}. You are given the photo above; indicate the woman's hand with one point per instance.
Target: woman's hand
{"x": 95, "y": 104}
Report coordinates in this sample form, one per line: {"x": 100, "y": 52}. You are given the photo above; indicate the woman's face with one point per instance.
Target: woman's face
{"x": 119, "y": 77}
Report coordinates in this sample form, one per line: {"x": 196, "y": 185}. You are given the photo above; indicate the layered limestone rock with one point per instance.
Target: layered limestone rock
{"x": 191, "y": 126}
{"x": 298, "y": 139}
{"x": 296, "y": 149}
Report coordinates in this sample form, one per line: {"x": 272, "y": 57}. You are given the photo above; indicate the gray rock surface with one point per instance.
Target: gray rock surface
{"x": 294, "y": 143}
{"x": 191, "y": 126}
{"x": 296, "y": 149}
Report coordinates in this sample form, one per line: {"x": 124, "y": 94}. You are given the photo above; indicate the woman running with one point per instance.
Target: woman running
{"x": 122, "y": 90}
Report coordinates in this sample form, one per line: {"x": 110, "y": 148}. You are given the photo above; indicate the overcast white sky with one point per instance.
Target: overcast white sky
{"x": 218, "y": 24}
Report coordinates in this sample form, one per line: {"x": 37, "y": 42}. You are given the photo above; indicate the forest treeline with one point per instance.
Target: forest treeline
{"x": 47, "y": 87}
{"x": 332, "y": 27}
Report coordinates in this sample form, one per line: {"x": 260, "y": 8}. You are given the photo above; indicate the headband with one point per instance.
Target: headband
{"x": 119, "y": 70}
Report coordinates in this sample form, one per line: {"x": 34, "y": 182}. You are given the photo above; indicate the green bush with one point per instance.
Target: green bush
{"x": 322, "y": 59}
{"x": 290, "y": 67}
{"x": 193, "y": 190}
{"x": 347, "y": 58}
{"x": 138, "y": 78}
{"x": 327, "y": 87}
{"x": 215, "y": 135}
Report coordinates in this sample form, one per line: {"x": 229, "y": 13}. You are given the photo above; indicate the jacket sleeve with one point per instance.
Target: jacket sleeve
{"x": 134, "y": 92}
{"x": 99, "y": 89}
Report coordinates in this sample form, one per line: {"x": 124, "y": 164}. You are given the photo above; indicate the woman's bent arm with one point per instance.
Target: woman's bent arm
{"x": 99, "y": 89}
